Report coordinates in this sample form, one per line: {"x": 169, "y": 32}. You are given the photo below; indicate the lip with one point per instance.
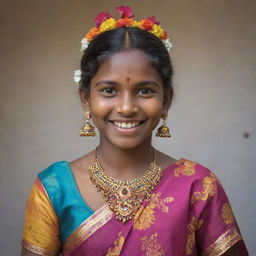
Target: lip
{"x": 126, "y": 120}
{"x": 127, "y": 131}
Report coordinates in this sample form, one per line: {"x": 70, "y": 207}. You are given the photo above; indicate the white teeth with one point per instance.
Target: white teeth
{"x": 126, "y": 125}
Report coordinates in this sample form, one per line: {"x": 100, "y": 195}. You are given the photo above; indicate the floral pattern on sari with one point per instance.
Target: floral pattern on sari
{"x": 209, "y": 184}
{"x": 185, "y": 168}
{"x": 227, "y": 214}
{"x": 145, "y": 217}
{"x": 193, "y": 226}
{"x": 118, "y": 245}
{"x": 151, "y": 246}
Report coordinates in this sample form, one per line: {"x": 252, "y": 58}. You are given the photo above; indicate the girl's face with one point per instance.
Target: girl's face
{"x": 126, "y": 99}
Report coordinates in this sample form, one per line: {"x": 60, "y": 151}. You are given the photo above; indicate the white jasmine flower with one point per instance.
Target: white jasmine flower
{"x": 77, "y": 76}
{"x": 168, "y": 44}
{"x": 84, "y": 44}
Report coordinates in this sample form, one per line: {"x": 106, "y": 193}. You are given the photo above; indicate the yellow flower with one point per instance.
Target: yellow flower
{"x": 108, "y": 25}
{"x": 157, "y": 31}
{"x": 136, "y": 24}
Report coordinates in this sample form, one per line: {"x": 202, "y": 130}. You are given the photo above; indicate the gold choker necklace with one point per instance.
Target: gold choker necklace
{"x": 124, "y": 197}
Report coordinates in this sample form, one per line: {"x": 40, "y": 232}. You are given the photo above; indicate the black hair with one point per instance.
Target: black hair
{"x": 110, "y": 42}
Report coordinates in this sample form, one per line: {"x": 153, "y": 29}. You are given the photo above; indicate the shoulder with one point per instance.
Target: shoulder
{"x": 61, "y": 169}
{"x": 57, "y": 181}
{"x": 200, "y": 181}
{"x": 196, "y": 174}
{"x": 187, "y": 167}
{"x": 183, "y": 168}
{"x": 192, "y": 175}
{"x": 54, "y": 172}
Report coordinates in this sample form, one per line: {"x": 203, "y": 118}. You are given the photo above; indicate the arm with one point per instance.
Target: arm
{"x": 41, "y": 228}
{"x": 233, "y": 251}
{"x": 218, "y": 234}
{"x": 26, "y": 252}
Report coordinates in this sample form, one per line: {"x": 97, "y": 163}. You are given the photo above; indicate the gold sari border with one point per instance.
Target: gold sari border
{"x": 38, "y": 250}
{"x": 223, "y": 243}
{"x": 88, "y": 228}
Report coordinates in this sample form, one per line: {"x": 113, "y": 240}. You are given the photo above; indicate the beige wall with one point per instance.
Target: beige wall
{"x": 214, "y": 58}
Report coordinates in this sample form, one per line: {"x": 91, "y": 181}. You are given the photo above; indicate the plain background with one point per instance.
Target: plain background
{"x": 212, "y": 118}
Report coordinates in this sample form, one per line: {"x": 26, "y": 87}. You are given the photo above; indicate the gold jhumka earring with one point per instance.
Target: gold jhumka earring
{"x": 163, "y": 131}
{"x": 87, "y": 130}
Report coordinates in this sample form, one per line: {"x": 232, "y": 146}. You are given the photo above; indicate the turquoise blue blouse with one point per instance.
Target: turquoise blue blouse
{"x": 70, "y": 207}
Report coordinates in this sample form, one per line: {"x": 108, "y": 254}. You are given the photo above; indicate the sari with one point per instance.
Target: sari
{"x": 188, "y": 213}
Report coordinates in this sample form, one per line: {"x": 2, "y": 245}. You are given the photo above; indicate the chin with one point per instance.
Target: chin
{"x": 129, "y": 143}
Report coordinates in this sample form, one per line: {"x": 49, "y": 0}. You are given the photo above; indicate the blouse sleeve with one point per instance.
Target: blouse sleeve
{"x": 216, "y": 227}
{"x": 41, "y": 227}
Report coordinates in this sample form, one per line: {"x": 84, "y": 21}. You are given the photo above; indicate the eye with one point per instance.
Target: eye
{"x": 108, "y": 91}
{"x": 145, "y": 91}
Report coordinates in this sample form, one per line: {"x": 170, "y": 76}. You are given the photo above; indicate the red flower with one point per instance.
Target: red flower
{"x": 154, "y": 20}
{"x": 101, "y": 17}
{"x": 125, "y": 22}
{"x": 164, "y": 36}
{"x": 146, "y": 24}
{"x": 124, "y": 11}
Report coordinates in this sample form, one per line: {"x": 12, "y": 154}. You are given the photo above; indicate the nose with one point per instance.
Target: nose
{"x": 126, "y": 105}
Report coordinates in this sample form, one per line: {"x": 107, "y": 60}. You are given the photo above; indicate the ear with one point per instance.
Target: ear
{"x": 167, "y": 100}
{"x": 85, "y": 100}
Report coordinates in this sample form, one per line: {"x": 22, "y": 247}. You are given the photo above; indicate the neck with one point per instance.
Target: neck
{"x": 125, "y": 163}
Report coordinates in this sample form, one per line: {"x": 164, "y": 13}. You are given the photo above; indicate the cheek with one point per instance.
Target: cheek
{"x": 154, "y": 104}
{"x": 153, "y": 108}
{"x": 99, "y": 108}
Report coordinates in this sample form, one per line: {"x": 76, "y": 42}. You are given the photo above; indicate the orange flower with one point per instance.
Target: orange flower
{"x": 124, "y": 22}
{"x": 146, "y": 24}
{"x": 92, "y": 33}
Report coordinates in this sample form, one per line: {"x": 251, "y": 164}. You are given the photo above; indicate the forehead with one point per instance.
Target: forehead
{"x": 130, "y": 65}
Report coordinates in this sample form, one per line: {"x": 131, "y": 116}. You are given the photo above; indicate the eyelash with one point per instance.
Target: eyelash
{"x": 104, "y": 91}
{"x": 149, "y": 91}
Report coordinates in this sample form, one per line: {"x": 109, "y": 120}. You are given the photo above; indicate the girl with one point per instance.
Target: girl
{"x": 125, "y": 197}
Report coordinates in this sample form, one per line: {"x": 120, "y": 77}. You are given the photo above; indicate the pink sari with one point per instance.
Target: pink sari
{"x": 188, "y": 214}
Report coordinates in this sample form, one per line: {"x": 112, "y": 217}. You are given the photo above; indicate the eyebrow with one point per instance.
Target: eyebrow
{"x": 106, "y": 82}
{"x": 142, "y": 83}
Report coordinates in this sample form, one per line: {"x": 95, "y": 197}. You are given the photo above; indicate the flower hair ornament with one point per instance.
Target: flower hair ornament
{"x": 105, "y": 21}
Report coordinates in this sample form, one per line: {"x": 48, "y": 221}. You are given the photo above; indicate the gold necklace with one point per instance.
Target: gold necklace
{"x": 124, "y": 197}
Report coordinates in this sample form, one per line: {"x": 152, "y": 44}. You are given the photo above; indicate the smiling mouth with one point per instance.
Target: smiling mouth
{"x": 126, "y": 125}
